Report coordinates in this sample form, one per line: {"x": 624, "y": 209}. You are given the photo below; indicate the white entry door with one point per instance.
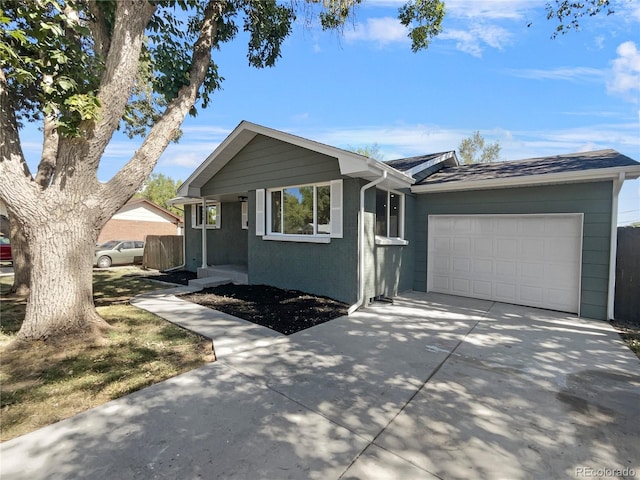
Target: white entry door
{"x": 532, "y": 260}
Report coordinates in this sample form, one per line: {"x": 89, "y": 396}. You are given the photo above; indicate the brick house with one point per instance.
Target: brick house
{"x": 138, "y": 218}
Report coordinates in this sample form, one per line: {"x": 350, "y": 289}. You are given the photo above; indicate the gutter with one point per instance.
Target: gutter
{"x": 361, "y": 268}
{"x": 613, "y": 249}
{"x": 530, "y": 180}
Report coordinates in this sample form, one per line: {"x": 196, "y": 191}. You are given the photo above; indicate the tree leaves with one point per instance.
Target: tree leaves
{"x": 474, "y": 150}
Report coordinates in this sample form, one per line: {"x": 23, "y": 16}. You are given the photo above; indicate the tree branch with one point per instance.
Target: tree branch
{"x": 99, "y": 30}
{"x": 49, "y": 152}
{"x": 128, "y": 179}
{"x": 121, "y": 68}
{"x": 17, "y": 187}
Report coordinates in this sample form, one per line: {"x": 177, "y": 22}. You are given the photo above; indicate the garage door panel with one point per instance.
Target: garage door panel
{"x": 532, "y": 248}
{"x": 482, "y": 267}
{"x": 530, "y": 294}
{"x": 507, "y": 226}
{"x": 534, "y": 226}
{"x": 532, "y": 272}
{"x": 482, "y": 289}
{"x": 442, "y": 264}
{"x": 507, "y": 247}
{"x": 461, "y": 265}
{"x": 461, "y": 245}
{"x": 530, "y": 260}
{"x": 483, "y": 247}
{"x": 506, "y": 292}
{"x": 506, "y": 268}
{"x": 461, "y": 286}
{"x": 441, "y": 284}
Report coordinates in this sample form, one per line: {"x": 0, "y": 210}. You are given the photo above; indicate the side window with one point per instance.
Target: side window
{"x": 244, "y": 215}
{"x": 139, "y": 244}
{"x": 389, "y": 214}
{"x": 126, "y": 245}
{"x": 211, "y": 214}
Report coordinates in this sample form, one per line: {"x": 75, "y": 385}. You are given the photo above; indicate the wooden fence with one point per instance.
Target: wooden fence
{"x": 162, "y": 252}
{"x": 627, "y": 297}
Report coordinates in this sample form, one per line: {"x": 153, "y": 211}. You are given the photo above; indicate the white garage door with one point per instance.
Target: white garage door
{"x": 531, "y": 260}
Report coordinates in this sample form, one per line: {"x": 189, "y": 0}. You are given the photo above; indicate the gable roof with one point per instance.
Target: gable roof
{"x": 134, "y": 202}
{"x": 575, "y": 167}
{"x": 413, "y": 164}
{"x": 351, "y": 164}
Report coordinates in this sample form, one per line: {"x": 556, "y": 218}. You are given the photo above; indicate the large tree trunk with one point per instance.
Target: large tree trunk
{"x": 61, "y": 294}
{"x": 20, "y": 259}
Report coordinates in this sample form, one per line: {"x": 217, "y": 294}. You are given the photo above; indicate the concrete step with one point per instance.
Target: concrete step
{"x": 212, "y": 281}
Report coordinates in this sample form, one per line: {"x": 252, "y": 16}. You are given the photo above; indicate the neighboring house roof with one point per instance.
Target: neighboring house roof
{"x": 157, "y": 209}
{"x": 351, "y": 164}
{"x": 575, "y": 167}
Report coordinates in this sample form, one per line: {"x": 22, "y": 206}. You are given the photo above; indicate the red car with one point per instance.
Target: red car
{"x": 5, "y": 249}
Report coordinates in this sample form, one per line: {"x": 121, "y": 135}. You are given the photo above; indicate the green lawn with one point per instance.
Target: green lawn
{"x": 54, "y": 380}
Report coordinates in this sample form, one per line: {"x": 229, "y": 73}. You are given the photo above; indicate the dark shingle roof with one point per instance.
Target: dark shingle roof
{"x": 404, "y": 164}
{"x": 574, "y": 162}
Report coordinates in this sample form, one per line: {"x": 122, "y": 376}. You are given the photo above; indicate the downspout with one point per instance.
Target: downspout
{"x": 361, "y": 268}
{"x": 204, "y": 232}
{"x": 613, "y": 249}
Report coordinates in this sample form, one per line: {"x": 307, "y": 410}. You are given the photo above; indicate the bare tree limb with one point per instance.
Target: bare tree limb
{"x": 99, "y": 30}
{"x": 47, "y": 165}
{"x": 121, "y": 67}
{"x": 17, "y": 184}
{"x": 124, "y": 183}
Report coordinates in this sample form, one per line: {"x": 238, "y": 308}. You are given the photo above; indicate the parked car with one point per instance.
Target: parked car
{"x": 5, "y": 250}
{"x": 118, "y": 252}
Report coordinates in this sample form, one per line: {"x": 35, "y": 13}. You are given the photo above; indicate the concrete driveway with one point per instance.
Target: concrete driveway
{"x": 431, "y": 387}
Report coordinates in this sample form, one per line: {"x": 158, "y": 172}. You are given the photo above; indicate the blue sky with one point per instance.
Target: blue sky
{"x": 487, "y": 71}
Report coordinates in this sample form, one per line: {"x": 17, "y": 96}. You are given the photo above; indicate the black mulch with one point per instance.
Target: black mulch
{"x": 285, "y": 311}
{"x": 181, "y": 277}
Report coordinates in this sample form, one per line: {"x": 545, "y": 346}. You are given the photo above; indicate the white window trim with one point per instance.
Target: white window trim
{"x": 390, "y": 241}
{"x": 288, "y": 237}
{"x": 194, "y": 208}
{"x": 298, "y": 238}
{"x": 386, "y": 239}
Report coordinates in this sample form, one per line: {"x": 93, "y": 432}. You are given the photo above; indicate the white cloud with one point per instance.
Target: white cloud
{"x": 383, "y": 31}
{"x": 625, "y": 72}
{"x": 491, "y": 9}
{"x": 474, "y": 40}
{"x": 397, "y": 141}
{"x": 561, "y": 73}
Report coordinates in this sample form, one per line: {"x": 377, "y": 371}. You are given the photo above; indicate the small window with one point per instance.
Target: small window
{"x": 244, "y": 215}
{"x": 211, "y": 215}
{"x": 139, "y": 244}
{"x": 389, "y": 214}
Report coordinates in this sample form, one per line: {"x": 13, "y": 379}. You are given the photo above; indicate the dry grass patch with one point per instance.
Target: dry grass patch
{"x": 53, "y": 380}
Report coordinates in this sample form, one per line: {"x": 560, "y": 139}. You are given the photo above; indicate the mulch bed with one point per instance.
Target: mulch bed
{"x": 180, "y": 277}
{"x": 285, "y": 311}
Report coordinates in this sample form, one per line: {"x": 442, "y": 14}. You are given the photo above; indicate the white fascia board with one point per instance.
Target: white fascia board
{"x": 351, "y": 164}
{"x": 230, "y": 146}
{"x": 423, "y": 166}
{"x": 631, "y": 172}
{"x": 184, "y": 200}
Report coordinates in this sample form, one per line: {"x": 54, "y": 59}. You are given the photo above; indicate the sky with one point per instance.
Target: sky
{"x": 493, "y": 69}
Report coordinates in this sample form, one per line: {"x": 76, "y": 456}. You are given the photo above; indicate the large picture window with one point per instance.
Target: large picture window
{"x": 389, "y": 214}
{"x": 211, "y": 213}
{"x": 302, "y": 210}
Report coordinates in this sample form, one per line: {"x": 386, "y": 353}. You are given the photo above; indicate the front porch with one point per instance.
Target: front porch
{"x": 219, "y": 275}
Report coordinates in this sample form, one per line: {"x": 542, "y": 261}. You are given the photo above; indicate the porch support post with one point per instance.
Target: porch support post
{"x": 204, "y": 233}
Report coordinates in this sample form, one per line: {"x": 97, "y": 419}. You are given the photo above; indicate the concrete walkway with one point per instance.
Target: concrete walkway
{"x": 430, "y": 387}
